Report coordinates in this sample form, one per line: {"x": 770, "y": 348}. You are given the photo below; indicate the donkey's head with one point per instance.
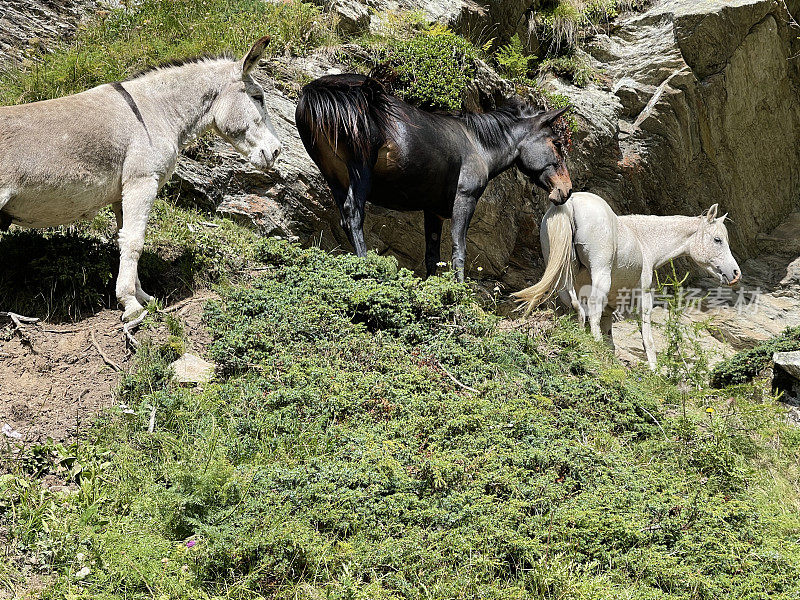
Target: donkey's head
{"x": 709, "y": 248}
{"x": 240, "y": 116}
{"x": 541, "y": 157}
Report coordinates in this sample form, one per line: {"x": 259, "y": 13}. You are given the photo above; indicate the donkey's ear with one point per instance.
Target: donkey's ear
{"x": 712, "y": 213}
{"x": 548, "y": 118}
{"x": 250, "y": 61}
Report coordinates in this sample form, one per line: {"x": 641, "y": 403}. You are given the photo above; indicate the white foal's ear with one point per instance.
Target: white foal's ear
{"x": 722, "y": 218}
{"x": 712, "y": 213}
{"x": 250, "y": 61}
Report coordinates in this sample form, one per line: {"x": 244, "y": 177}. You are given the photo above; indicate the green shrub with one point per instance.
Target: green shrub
{"x": 371, "y": 430}
{"x": 433, "y": 69}
{"x": 747, "y": 364}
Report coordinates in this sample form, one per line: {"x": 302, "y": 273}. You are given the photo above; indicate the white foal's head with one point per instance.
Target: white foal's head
{"x": 240, "y": 116}
{"x": 709, "y": 248}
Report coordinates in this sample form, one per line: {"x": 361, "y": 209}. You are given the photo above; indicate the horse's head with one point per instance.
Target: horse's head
{"x": 240, "y": 116}
{"x": 709, "y": 248}
{"x": 541, "y": 156}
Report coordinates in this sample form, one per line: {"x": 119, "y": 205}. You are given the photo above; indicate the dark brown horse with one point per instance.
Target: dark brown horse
{"x": 371, "y": 146}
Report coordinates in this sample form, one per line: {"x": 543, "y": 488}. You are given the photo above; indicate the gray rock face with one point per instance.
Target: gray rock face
{"x": 699, "y": 107}
{"x": 27, "y": 25}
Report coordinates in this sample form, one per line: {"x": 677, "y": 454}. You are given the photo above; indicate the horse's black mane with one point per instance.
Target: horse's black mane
{"x": 180, "y": 62}
{"x": 492, "y": 128}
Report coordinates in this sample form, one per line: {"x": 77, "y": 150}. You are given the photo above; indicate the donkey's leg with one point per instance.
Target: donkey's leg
{"x": 433, "y": 242}
{"x": 463, "y": 209}
{"x": 601, "y": 285}
{"x": 142, "y": 296}
{"x": 137, "y": 200}
{"x": 647, "y": 330}
{"x": 352, "y": 207}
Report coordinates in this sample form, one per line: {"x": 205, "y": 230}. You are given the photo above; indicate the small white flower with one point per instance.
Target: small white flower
{"x": 80, "y": 556}
{"x": 480, "y": 269}
{"x": 497, "y": 288}
{"x": 83, "y": 573}
{"x": 441, "y": 264}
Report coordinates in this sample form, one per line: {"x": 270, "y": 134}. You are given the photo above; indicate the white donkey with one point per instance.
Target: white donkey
{"x": 587, "y": 247}
{"x": 62, "y": 160}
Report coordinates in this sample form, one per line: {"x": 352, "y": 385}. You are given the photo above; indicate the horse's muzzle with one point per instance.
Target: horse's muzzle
{"x": 561, "y": 187}
{"x": 560, "y": 194}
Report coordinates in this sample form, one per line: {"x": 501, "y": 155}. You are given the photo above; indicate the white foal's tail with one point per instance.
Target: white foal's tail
{"x": 558, "y": 275}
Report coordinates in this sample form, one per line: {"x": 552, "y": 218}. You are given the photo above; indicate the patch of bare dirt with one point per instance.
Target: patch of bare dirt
{"x": 53, "y": 378}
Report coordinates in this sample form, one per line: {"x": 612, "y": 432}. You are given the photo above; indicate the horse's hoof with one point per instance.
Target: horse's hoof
{"x": 132, "y": 312}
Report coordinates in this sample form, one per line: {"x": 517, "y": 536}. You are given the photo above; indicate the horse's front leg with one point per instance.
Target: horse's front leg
{"x": 647, "y": 329}
{"x": 463, "y": 209}
{"x": 433, "y": 242}
{"x": 351, "y": 207}
{"x": 142, "y": 296}
{"x": 137, "y": 200}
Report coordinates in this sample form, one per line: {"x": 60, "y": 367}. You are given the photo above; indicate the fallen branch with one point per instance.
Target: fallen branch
{"x": 183, "y": 303}
{"x": 102, "y": 354}
{"x": 656, "y": 422}
{"x": 456, "y": 381}
{"x": 18, "y": 321}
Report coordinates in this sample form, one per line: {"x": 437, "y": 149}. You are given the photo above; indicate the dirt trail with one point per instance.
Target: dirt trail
{"x": 54, "y": 383}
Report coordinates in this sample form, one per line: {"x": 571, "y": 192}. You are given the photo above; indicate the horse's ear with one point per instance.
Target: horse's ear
{"x": 712, "y": 213}
{"x": 250, "y": 61}
{"x": 548, "y": 118}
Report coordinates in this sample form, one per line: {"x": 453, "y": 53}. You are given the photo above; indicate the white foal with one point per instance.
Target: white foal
{"x": 587, "y": 247}
{"x": 62, "y": 160}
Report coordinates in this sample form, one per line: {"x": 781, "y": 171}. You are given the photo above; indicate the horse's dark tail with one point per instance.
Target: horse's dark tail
{"x": 352, "y": 112}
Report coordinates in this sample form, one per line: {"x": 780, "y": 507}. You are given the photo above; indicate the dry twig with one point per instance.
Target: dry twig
{"x": 102, "y": 354}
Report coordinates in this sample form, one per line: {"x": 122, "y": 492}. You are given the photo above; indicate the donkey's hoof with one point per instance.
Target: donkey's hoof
{"x": 132, "y": 312}
{"x": 144, "y": 298}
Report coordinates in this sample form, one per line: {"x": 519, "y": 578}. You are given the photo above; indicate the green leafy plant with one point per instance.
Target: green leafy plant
{"x": 512, "y": 60}
{"x": 684, "y": 359}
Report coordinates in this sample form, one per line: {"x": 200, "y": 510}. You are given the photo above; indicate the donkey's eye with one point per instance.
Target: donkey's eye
{"x": 258, "y": 98}
{"x": 717, "y": 240}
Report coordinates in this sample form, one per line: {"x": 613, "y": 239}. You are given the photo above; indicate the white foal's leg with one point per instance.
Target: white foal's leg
{"x": 137, "y": 200}
{"x": 606, "y": 323}
{"x": 570, "y": 299}
{"x": 601, "y": 285}
{"x": 647, "y": 331}
{"x": 143, "y": 297}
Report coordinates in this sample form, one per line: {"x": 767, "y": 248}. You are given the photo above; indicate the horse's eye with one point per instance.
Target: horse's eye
{"x": 717, "y": 240}
{"x": 258, "y": 98}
